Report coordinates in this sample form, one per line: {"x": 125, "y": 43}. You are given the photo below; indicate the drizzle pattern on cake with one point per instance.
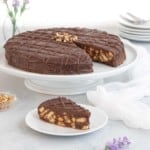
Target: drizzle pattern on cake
{"x": 63, "y": 50}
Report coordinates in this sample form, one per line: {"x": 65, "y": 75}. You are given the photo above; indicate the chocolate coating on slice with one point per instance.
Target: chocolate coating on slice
{"x": 64, "y": 112}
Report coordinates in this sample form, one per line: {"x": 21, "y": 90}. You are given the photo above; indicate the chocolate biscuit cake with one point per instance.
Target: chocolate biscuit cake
{"x": 63, "y": 50}
{"x": 64, "y": 112}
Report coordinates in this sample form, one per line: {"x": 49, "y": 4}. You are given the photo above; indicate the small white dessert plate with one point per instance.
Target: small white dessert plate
{"x": 134, "y": 30}
{"x": 98, "y": 120}
{"x": 137, "y": 26}
{"x": 135, "y": 37}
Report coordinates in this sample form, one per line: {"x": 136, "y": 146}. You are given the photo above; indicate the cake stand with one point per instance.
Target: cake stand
{"x": 71, "y": 84}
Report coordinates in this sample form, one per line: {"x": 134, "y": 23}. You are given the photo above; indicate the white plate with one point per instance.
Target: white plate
{"x": 98, "y": 120}
{"x": 122, "y": 29}
{"x": 135, "y": 37}
{"x": 71, "y": 84}
{"x": 131, "y": 25}
{"x": 134, "y": 30}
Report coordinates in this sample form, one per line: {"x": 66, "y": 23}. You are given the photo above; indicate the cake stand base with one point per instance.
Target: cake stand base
{"x": 54, "y": 88}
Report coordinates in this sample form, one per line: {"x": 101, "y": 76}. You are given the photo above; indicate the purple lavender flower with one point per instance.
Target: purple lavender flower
{"x": 118, "y": 144}
{"x": 16, "y": 10}
{"x": 15, "y": 4}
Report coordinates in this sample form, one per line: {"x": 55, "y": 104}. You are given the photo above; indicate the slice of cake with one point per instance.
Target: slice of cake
{"x": 64, "y": 112}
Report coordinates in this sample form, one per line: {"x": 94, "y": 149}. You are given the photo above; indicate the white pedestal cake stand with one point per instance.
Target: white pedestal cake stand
{"x": 71, "y": 84}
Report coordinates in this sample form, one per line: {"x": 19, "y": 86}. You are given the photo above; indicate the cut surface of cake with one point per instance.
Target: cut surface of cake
{"x": 64, "y": 112}
{"x": 63, "y": 50}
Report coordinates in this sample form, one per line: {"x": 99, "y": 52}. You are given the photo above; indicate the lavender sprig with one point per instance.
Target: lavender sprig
{"x": 118, "y": 144}
{"x": 15, "y": 4}
{"x": 23, "y": 8}
{"x": 14, "y": 10}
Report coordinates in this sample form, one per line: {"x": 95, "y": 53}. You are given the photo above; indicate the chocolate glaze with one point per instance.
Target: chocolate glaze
{"x": 36, "y": 51}
{"x": 62, "y": 104}
{"x": 63, "y": 107}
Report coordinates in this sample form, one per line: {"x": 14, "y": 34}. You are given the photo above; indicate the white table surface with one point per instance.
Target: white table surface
{"x": 15, "y": 135}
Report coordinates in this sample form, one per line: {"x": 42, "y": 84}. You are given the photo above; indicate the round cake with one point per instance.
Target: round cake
{"x": 63, "y": 50}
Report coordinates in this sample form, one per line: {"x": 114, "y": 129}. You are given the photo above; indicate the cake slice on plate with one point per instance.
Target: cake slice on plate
{"x": 64, "y": 112}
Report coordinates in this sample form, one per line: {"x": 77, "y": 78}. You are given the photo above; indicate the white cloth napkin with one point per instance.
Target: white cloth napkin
{"x": 122, "y": 101}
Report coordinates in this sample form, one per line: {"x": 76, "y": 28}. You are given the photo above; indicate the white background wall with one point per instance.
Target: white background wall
{"x": 74, "y": 12}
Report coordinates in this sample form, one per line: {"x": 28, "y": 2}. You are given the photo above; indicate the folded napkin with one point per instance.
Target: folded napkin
{"x": 122, "y": 101}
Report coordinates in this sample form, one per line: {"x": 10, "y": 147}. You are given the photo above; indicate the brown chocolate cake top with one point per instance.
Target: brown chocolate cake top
{"x": 42, "y": 46}
{"x": 63, "y": 50}
{"x": 62, "y": 104}
{"x": 90, "y": 37}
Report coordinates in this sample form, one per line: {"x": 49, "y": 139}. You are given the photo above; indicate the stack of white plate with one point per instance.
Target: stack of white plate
{"x": 136, "y": 32}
